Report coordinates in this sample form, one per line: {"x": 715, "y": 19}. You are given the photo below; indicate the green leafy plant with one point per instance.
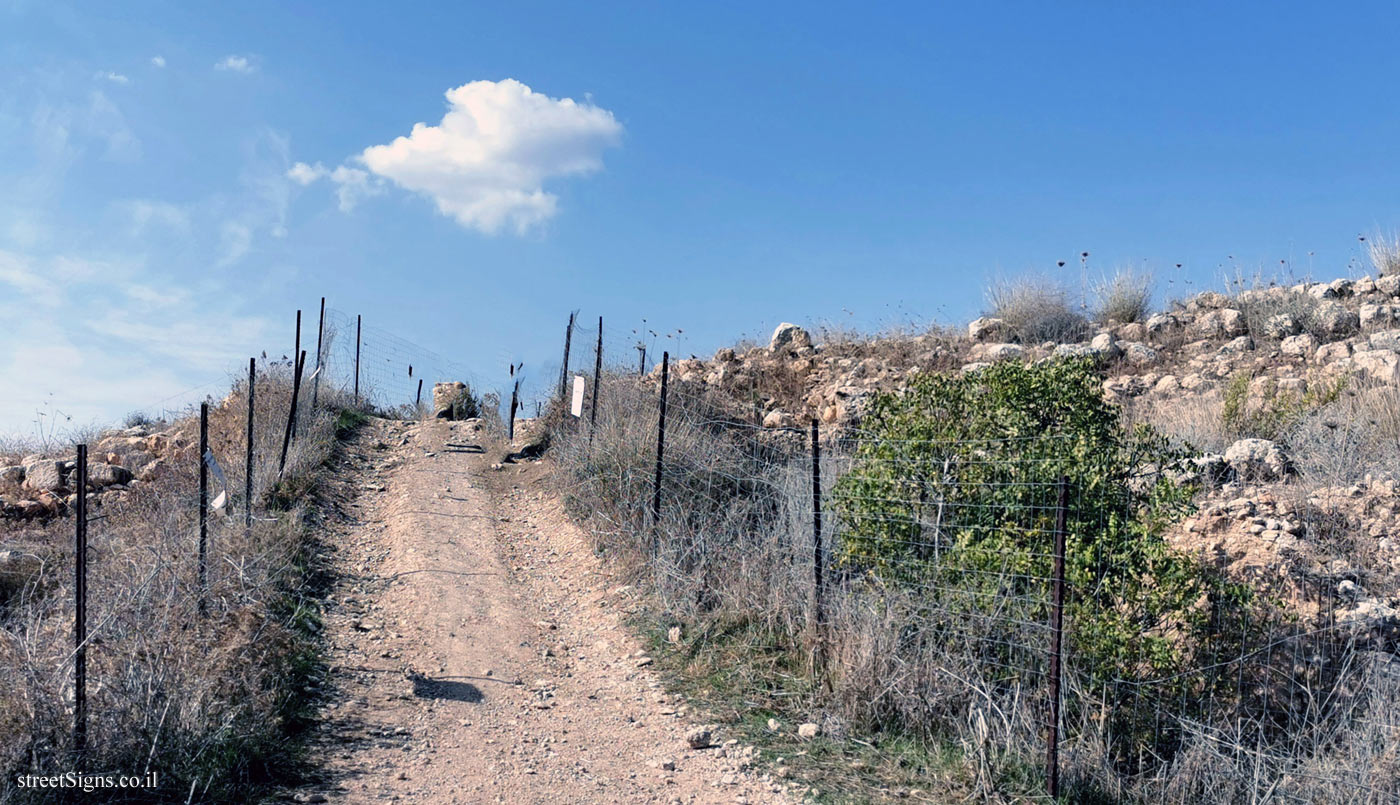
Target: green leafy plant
{"x": 955, "y": 492}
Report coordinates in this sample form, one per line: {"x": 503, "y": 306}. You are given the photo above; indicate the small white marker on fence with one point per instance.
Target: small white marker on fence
{"x": 222, "y": 500}
{"x": 577, "y": 408}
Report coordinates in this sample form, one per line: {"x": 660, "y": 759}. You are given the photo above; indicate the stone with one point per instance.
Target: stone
{"x": 1335, "y": 320}
{"x": 698, "y": 738}
{"x": 725, "y": 355}
{"x": 1104, "y": 344}
{"x": 1300, "y": 346}
{"x": 1237, "y": 346}
{"x": 1257, "y": 460}
{"x": 1370, "y": 617}
{"x": 986, "y": 328}
{"x": 12, "y": 474}
{"x": 1379, "y": 365}
{"x": 789, "y": 338}
{"x": 1138, "y": 354}
{"x": 1004, "y": 352}
{"x": 151, "y": 471}
{"x": 808, "y": 730}
{"x": 1390, "y": 286}
{"x": 101, "y": 476}
{"x": 1331, "y": 353}
{"x": 1133, "y": 331}
{"x": 1223, "y": 323}
{"x": 777, "y": 419}
{"x": 1388, "y": 339}
{"x": 1373, "y": 316}
{"x": 448, "y": 399}
{"x": 43, "y": 476}
{"x": 1160, "y": 323}
{"x": 1281, "y": 325}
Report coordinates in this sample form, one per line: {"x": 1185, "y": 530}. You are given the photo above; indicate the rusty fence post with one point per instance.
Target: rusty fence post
{"x": 418, "y": 400}
{"x": 203, "y": 503}
{"x": 597, "y": 378}
{"x": 248, "y": 460}
{"x": 1057, "y": 613}
{"x": 80, "y": 613}
{"x": 291, "y": 414}
{"x": 660, "y": 445}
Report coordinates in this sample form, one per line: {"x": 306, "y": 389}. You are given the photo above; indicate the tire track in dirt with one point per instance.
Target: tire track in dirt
{"x": 477, "y": 650}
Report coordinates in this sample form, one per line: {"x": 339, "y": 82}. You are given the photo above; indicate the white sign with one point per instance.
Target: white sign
{"x": 222, "y": 500}
{"x": 577, "y": 408}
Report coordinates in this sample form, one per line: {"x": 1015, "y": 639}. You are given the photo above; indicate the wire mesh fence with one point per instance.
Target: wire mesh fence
{"x": 992, "y": 593}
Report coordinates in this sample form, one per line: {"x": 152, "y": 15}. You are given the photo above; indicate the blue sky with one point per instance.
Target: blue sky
{"x": 716, "y": 167}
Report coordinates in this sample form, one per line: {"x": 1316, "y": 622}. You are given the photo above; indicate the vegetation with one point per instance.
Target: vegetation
{"x": 1034, "y": 310}
{"x": 1276, "y": 413}
{"x": 1124, "y": 298}
{"x": 212, "y": 700}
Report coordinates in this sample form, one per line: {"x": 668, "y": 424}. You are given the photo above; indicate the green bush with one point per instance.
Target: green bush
{"x": 954, "y": 492}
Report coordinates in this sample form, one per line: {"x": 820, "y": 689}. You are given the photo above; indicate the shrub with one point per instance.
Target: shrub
{"x": 1035, "y": 309}
{"x": 1278, "y": 412}
{"x": 954, "y": 493}
{"x": 1124, "y": 298}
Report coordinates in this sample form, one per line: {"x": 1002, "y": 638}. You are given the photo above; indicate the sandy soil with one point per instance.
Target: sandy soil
{"x": 478, "y": 651}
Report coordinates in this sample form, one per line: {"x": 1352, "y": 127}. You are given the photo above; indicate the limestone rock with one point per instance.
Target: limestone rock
{"x": 43, "y": 476}
{"x": 1299, "y": 345}
{"x": 101, "y": 476}
{"x": 1257, "y": 459}
{"x": 1336, "y": 321}
{"x": 789, "y": 338}
{"x": 986, "y": 328}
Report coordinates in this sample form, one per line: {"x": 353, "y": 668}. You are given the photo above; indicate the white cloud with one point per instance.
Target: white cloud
{"x": 157, "y": 61}
{"x": 486, "y": 162}
{"x": 304, "y": 174}
{"x": 115, "y": 78}
{"x": 235, "y": 64}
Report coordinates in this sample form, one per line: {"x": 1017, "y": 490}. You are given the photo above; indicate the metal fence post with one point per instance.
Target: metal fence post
{"x": 203, "y": 503}
{"x": 1052, "y": 741}
{"x": 80, "y": 613}
{"x": 597, "y": 376}
{"x": 248, "y": 466}
{"x": 418, "y": 400}
{"x": 514, "y": 403}
{"x": 564, "y": 373}
{"x": 641, "y": 360}
{"x": 291, "y": 414}
{"x": 660, "y": 443}
{"x": 316, "y": 377}
{"x": 818, "y": 560}
{"x": 357, "y": 358}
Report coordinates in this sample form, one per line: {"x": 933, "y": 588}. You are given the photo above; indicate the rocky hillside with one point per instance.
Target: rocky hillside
{"x": 1287, "y": 396}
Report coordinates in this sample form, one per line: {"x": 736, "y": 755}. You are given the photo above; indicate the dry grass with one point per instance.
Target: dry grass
{"x": 1036, "y": 309}
{"x": 1384, "y": 252}
{"x": 910, "y": 693}
{"x": 211, "y": 701}
{"x": 1123, "y": 298}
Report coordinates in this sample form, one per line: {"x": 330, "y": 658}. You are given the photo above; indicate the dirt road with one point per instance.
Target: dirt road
{"x": 477, "y": 647}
